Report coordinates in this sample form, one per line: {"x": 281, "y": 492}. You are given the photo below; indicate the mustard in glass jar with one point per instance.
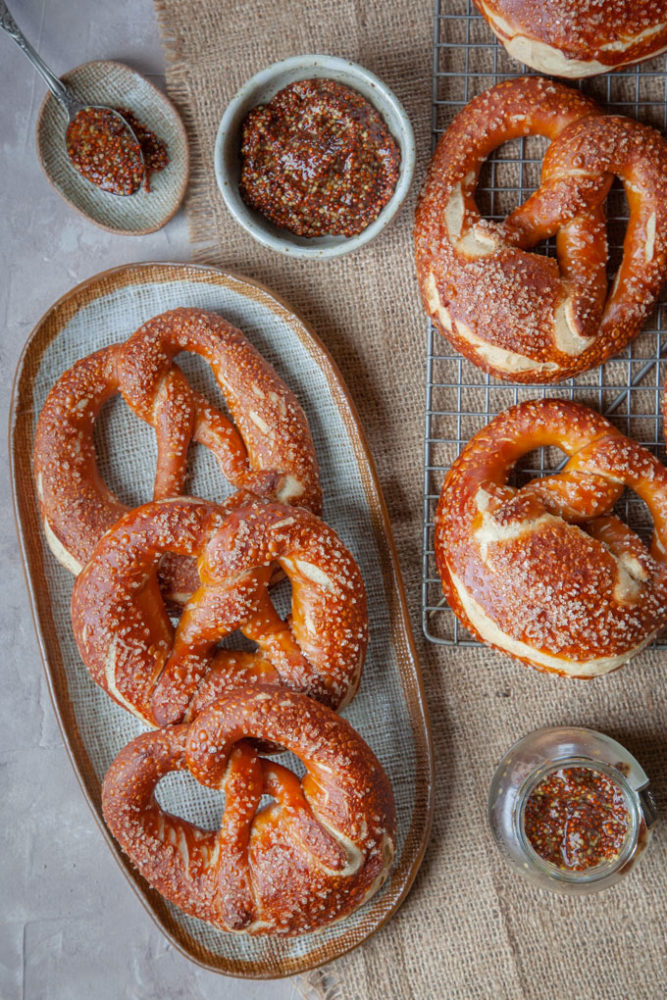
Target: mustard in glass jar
{"x": 571, "y": 808}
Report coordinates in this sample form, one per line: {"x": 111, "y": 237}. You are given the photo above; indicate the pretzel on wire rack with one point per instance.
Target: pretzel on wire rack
{"x": 521, "y": 315}
{"x": 548, "y": 573}
{"x": 265, "y": 449}
{"x": 574, "y": 38}
{"x": 318, "y": 851}
{"x": 164, "y": 674}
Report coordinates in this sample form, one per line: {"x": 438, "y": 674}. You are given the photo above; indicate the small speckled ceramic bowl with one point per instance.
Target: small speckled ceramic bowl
{"x": 260, "y": 89}
{"x": 116, "y": 85}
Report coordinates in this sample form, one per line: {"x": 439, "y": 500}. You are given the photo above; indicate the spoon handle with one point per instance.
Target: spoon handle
{"x": 56, "y": 86}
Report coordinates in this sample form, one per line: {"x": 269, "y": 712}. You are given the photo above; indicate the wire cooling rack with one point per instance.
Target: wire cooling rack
{"x": 460, "y": 399}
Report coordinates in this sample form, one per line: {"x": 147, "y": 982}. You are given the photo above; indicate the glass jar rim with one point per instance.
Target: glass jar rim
{"x": 605, "y": 868}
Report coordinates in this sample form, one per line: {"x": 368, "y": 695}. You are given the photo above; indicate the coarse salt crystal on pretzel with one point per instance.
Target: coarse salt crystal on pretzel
{"x": 578, "y": 38}
{"x": 164, "y": 674}
{"x": 319, "y": 850}
{"x": 266, "y": 449}
{"x": 521, "y": 315}
{"x": 547, "y": 573}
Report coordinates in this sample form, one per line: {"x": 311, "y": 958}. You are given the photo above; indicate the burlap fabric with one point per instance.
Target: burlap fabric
{"x": 469, "y": 928}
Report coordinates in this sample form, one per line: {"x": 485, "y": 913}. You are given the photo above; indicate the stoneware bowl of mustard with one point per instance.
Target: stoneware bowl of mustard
{"x": 258, "y": 91}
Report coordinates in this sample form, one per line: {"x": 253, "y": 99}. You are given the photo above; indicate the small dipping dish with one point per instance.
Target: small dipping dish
{"x": 571, "y": 808}
{"x": 116, "y": 85}
{"x": 259, "y": 90}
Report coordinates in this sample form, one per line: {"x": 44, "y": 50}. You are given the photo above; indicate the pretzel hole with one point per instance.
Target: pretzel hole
{"x": 239, "y": 642}
{"x": 508, "y": 178}
{"x": 281, "y": 595}
{"x": 204, "y": 477}
{"x": 126, "y": 452}
{"x": 201, "y": 378}
{"x": 633, "y": 511}
{"x": 181, "y": 794}
{"x": 618, "y": 214}
{"x": 536, "y": 464}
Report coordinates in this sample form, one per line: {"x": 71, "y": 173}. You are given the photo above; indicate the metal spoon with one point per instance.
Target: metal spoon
{"x": 62, "y": 93}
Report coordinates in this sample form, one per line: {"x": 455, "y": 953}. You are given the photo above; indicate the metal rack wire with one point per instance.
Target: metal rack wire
{"x": 461, "y": 399}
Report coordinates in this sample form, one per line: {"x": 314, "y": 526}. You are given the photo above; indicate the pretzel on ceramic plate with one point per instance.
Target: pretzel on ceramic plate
{"x": 547, "y": 573}
{"x": 521, "y": 315}
{"x": 577, "y": 38}
{"x": 267, "y": 450}
{"x": 165, "y": 675}
{"x": 317, "y": 852}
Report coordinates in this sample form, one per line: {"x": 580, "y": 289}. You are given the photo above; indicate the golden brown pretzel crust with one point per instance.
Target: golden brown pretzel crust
{"x": 520, "y": 315}
{"x": 165, "y": 675}
{"x": 577, "y": 38}
{"x": 315, "y": 854}
{"x": 547, "y": 573}
{"x": 267, "y": 450}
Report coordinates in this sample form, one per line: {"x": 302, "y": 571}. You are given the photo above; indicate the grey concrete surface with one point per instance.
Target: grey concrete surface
{"x": 70, "y": 926}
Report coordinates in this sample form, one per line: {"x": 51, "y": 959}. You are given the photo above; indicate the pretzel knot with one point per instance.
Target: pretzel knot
{"x": 267, "y": 450}
{"x": 520, "y": 315}
{"x": 548, "y": 573}
{"x": 317, "y": 852}
{"x": 164, "y": 674}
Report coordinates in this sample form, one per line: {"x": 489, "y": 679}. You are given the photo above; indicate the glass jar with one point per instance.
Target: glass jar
{"x": 532, "y": 760}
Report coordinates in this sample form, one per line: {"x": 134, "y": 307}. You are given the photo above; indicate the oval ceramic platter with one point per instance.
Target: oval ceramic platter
{"x": 389, "y": 710}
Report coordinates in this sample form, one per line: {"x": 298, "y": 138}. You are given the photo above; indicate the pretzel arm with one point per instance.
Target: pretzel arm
{"x": 643, "y": 473}
{"x": 582, "y": 250}
{"x": 554, "y": 205}
{"x": 214, "y": 431}
{"x": 173, "y": 420}
{"x": 76, "y": 505}
{"x": 244, "y": 785}
{"x": 230, "y": 668}
{"x": 126, "y": 662}
{"x": 574, "y": 495}
{"x": 294, "y": 813}
{"x": 174, "y": 855}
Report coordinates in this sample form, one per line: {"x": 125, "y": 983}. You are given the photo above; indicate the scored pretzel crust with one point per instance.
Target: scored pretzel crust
{"x": 166, "y": 675}
{"x": 265, "y": 449}
{"x": 521, "y": 315}
{"x": 547, "y": 573}
{"x": 321, "y": 848}
{"x": 577, "y": 38}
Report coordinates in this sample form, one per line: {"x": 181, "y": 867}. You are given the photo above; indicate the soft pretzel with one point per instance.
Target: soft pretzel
{"x": 577, "y": 38}
{"x": 521, "y": 315}
{"x": 164, "y": 675}
{"x": 321, "y": 848}
{"x": 267, "y": 449}
{"x": 548, "y": 573}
